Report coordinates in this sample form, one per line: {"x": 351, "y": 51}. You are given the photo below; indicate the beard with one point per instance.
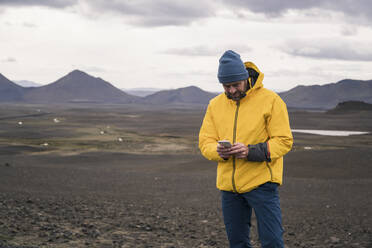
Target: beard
{"x": 236, "y": 96}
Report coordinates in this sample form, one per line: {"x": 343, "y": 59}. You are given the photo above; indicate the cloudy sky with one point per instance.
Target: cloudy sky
{"x": 177, "y": 43}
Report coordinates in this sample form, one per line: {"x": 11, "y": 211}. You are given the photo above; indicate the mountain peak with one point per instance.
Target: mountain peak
{"x": 2, "y": 77}
{"x": 81, "y": 77}
{"x": 190, "y": 94}
{"x": 192, "y": 87}
{"x": 78, "y": 73}
{"x": 78, "y": 86}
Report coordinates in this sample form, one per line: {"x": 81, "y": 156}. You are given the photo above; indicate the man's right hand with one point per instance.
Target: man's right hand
{"x": 223, "y": 151}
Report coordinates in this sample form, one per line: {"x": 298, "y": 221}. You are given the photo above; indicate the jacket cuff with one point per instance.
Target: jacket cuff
{"x": 258, "y": 153}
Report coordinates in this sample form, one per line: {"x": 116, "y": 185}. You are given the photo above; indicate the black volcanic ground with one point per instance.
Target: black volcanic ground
{"x": 152, "y": 188}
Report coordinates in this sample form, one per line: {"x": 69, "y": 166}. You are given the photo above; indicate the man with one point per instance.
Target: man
{"x": 255, "y": 121}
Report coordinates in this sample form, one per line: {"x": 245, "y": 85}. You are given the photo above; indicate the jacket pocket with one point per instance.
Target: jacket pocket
{"x": 269, "y": 186}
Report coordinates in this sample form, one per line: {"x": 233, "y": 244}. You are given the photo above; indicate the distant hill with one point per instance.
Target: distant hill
{"x": 329, "y": 95}
{"x": 78, "y": 86}
{"x": 351, "y": 106}
{"x": 191, "y": 94}
{"x": 26, "y": 83}
{"x": 141, "y": 92}
{"x": 9, "y": 91}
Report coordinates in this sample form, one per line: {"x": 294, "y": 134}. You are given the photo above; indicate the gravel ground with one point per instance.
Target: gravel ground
{"x": 165, "y": 201}
{"x": 119, "y": 199}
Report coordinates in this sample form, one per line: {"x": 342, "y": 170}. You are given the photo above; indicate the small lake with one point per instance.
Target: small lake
{"x": 328, "y": 132}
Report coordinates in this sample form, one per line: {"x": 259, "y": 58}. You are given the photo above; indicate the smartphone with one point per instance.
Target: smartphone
{"x": 225, "y": 143}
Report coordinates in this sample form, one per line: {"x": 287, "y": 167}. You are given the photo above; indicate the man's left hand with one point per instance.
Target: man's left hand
{"x": 239, "y": 150}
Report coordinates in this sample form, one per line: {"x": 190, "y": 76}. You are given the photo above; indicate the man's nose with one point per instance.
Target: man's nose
{"x": 231, "y": 90}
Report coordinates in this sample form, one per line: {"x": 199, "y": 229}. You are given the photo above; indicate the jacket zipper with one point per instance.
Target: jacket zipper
{"x": 234, "y": 140}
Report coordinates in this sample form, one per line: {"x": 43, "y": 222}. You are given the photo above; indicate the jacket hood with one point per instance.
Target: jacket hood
{"x": 255, "y": 75}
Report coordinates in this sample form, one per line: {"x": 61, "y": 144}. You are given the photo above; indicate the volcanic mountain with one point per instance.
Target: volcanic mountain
{"x": 9, "y": 91}
{"x": 190, "y": 95}
{"x": 329, "y": 95}
{"x": 78, "y": 86}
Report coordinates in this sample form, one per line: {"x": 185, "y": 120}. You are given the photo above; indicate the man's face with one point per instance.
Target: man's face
{"x": 235, "y": 90}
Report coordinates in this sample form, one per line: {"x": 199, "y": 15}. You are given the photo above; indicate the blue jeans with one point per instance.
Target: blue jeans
{"x": 237, "y": 212}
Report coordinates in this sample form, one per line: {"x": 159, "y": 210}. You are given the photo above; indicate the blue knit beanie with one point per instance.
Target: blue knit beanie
{"x": 231, "y": 68}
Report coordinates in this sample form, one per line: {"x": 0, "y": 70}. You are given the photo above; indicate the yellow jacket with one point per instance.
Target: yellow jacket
{"x": 261, "y": 116}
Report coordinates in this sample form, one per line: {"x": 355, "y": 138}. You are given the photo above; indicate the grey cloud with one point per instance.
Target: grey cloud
{"x": 9, "y": 60}
{"x": 239, "y": 48}
{"x": 206, "y": 50}
{"x": 156, "y": 13}
{"x": 136, "y": 12}
{"x": 88, "y": 68}
{"x": 187, "y": 73}
{"x": 193, "y": 51}
{"x": 354, "y": 8}
{"x": 29, "y": 25}
{"x": 349, "y": 31}
{"x": 94, "y": 69}
{"x": 180, "y": 12}
{"x": 23, "y": 24}
{"x": 330, "y": 49}
{"x": 46, "y": 3}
